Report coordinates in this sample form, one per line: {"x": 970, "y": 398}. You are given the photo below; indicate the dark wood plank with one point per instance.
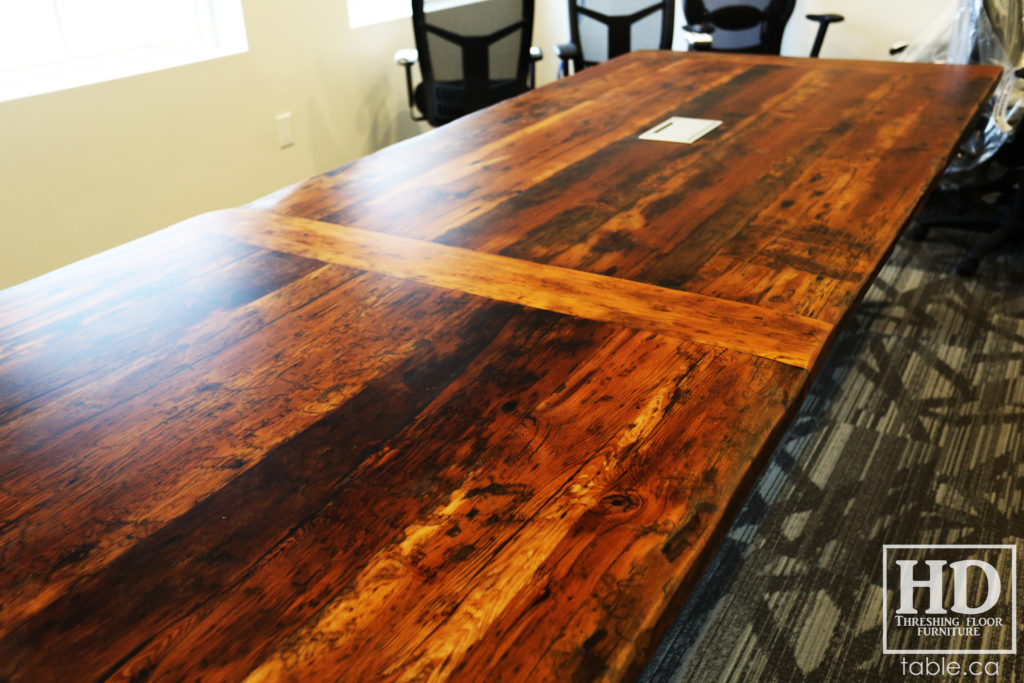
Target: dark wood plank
{"x": 718, "y": 322}
{"x": 51, "y": 351}
{"x": 771, "y": 208}
{"x": 445, "y": 493}
{"x": 190, "y": 416}
{"x": 222, "y": 496}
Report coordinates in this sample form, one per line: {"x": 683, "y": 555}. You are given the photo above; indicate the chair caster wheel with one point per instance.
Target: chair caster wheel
{"x": 967, "y": 266}
{"x": 918, "y": 232}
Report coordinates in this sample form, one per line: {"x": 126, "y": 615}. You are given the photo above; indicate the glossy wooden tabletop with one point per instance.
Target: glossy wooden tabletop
{"x": 788, "y": 205}
{"x": 478, "y": 406}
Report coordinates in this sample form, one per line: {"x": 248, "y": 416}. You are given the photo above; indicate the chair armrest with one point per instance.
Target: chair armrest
{"x": 566, "y": 51}
{"x": 698, "y": 36}
{"x": 897, "y": 48}
{"x": 826, "y": 18}
{"x": 536, "y": 54}
{"x": 823, "y": 23}
{"x": 407, "y": 57}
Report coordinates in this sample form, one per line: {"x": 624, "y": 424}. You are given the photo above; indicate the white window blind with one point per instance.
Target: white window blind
{"x": 366, "y": 12}
{"x": 48, "y": 45}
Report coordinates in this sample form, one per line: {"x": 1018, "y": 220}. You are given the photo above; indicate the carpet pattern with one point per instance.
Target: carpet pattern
{"x": 913, "y": 433}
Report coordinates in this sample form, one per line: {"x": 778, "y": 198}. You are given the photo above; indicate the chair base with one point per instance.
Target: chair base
{"x": 1001, "y": 222}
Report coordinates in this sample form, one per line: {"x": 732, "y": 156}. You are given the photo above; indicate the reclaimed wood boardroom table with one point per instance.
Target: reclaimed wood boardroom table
{"x": 478, "y": 406}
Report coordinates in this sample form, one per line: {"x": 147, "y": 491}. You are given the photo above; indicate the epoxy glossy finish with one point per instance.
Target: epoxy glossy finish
{"x": 788, "y": 205}
{"x": 462, "y": 425}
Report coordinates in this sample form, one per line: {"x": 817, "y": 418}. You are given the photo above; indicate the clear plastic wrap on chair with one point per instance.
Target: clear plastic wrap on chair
{"x": 979, "y": 32}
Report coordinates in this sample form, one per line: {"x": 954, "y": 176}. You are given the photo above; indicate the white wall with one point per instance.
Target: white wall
{"x": 86, "y": 169}
{"x": 550, "y": 26}
{"x": 871, "y": 26}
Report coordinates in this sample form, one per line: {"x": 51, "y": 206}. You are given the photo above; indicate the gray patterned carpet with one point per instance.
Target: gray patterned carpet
{"x": 914, "y": 434}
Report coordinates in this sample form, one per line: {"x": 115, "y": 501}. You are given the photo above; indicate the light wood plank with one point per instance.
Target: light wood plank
{"x": 790, "y": 339}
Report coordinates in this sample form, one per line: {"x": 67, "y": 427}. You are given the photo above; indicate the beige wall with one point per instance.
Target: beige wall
{"x": 86, "y": 169}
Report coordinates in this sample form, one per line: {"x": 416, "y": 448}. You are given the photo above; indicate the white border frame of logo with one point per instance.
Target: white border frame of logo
{"x": 885, "y": 601}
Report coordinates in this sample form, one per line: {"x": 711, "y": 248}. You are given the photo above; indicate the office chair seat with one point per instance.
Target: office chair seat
{"x": 451, "y": 101}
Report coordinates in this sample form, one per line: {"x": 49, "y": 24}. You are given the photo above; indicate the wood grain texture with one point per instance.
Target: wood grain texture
{"x": 349, "y": 449}
{"x": 717, "y": 322}
{"x": 790, "y": 204}
{"x": 477, "y": 407}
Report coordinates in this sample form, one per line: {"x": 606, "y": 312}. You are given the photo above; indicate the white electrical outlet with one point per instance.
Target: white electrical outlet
{"x": 284, "y": 130}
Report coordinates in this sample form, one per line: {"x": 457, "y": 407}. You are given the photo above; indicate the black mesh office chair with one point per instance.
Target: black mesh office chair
{"x": 748, "y": 26}
{"x": 602, "y": 29}
{"x": 470, "y": 57}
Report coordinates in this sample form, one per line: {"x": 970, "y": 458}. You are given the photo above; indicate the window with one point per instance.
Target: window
{"x": 48, "y": 45}
{"x": 366, "y": 12}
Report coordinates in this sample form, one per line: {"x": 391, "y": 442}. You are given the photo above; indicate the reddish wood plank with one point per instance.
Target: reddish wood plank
{"x": 188, "y": 417}
{"x": 494, "y": 453}
{"x": 46, "y": 352}
{"x": 159, "y": 508}
{"x": 718, "y": 322}
{"x": 816, "y": 169}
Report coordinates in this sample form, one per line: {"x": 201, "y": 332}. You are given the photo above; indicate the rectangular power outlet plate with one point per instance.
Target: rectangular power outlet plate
{"x": 681, "y": 129}
{"x": 284, "y": 130}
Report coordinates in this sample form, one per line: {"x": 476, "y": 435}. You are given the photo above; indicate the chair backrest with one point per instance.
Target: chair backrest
{"x": 471, "y": 56}
{"x": 602, "y": 29}
{"x": 742, "y": 26}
